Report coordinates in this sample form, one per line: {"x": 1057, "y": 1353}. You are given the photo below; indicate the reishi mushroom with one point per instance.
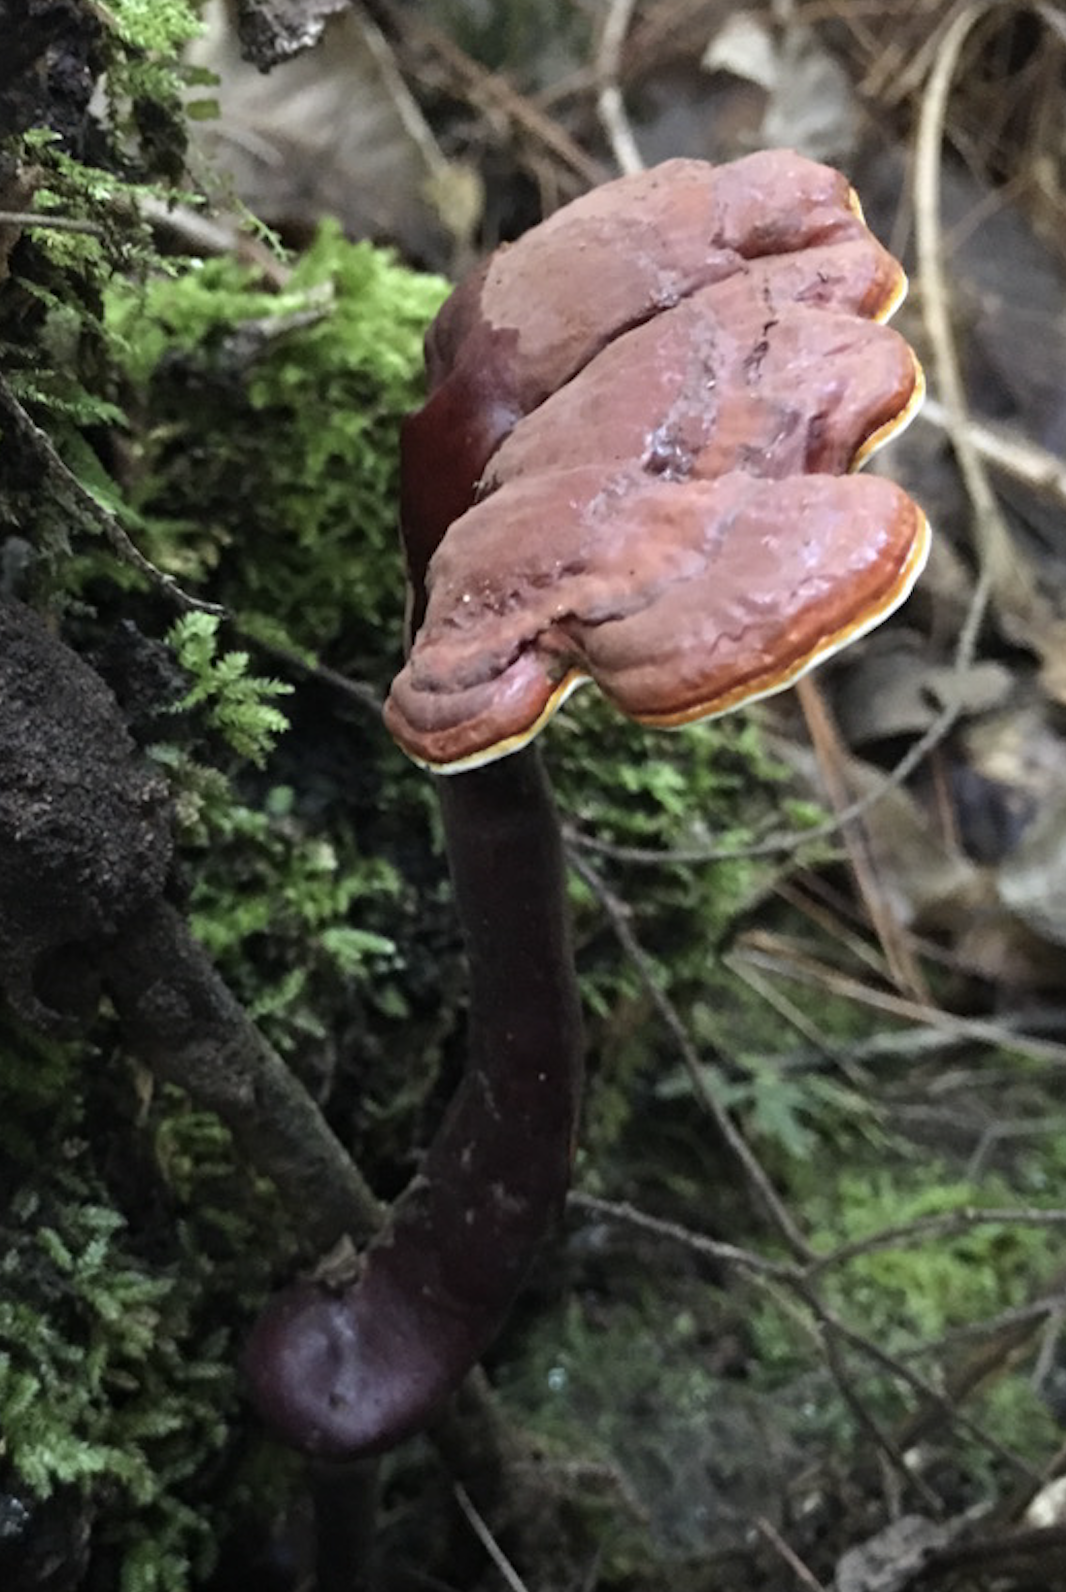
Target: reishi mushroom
{"x": 635, "y": 465}
{"x": 724, "y": 404}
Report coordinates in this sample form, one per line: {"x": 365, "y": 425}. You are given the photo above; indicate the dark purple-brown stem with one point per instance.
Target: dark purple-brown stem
{"x": 340, "y": 1371}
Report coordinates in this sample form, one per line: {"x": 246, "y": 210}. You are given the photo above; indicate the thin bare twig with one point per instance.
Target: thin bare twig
{"x": 34, "y": 218}
{"x": 767, "y": 991}
{"x": 492, "y": 92}
{"x": 806, "y": 1309}
{"x": 803, "y": 1575}
{"x": 762, "y": 951}
{"x": 1049, "y": 1305}
{"x": 698, "y": 1243}
{"x": 1017, "y": 456}
{"x": 487, "y": 1540}
{"x": 355, "y": 690}
{"x": 1033, "y": 1557}
{"x": 936, "y": 1402}
{"x": 406, "y": 106}
{"x": 1003, "y": 1332}
{"x": 618, "y": 916}
{"x": 883, "y": 1441}
{"x": 945, "y": 1225}
{"x": 903, "y": 966}
{"x": 609, "y": 101}
{"x": 65, "y": 487}
{"x": 181, "y": 1020}
{"x": 1012, "y": 584}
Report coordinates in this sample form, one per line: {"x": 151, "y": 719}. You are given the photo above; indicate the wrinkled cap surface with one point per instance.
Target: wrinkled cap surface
{"x": 649, "y": 477}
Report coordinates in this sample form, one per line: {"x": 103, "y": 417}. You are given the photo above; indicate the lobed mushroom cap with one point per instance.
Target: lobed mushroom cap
{"x": 633, "y": 247}
{"x": 657, "y": 400}
{"x": 681, "y": 599}
{"x": 537, "y": 311}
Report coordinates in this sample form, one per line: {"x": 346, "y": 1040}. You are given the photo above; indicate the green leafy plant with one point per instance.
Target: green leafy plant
{"x": 234, "y": 701}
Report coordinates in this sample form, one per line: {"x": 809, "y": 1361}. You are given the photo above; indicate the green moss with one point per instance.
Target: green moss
{"x": 57, "y": 356}
{"x": 297, "y": 919}
{"x": 262, "y": 467}
{"x": 37, "y": 1085}
{"x": 132, "y": 1248}
{"x": 265, "y": 444}
{"x": 107, "y": 1383}
{"x": 145, "y": 78}
{"x": 908, "y": 1299}
{"x": 923, "y": 1290}
{"x": 157, "y": 28}
{"x": 129, "y": 1257}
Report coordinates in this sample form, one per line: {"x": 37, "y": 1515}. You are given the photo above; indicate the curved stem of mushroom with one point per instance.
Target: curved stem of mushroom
{"x": 350, "y": 1370}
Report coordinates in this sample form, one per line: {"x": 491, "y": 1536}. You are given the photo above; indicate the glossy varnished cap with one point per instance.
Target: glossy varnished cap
{"x": 664, "y": 503}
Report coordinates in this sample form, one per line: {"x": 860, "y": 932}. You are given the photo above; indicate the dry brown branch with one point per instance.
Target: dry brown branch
{"x": 407, "y": 107}
{"x": 60, "y": 482}
{"x": 799, "y": 1279}
{"x": 938, "y": 1406}
{"x": 709, "y": 1248}
{"x": 33, "y": 218}
{"x": 609, "y": 100}
{"x": 903, "y": 966}
{"x": 493, "y": 94}
{"x": 809, "y": 895}
{"x": 885, "y": 1443}
{"x": 1003, "y": 1335}
{"x": 1038, "y": 1553}
{"x": 1012, "y": 584}
{"x": 182, "y": 1022}
{"x": 668, "y": 32}
{"x": 946, "y": 1225}
{"x": 806, "y": 1310}
{"x": 792, "y": 1014}
{"x": 804, "y": 1575}
{"x": 768, "y": 951}
{"x": 488, "y": 1541}
{"x": 618, "y": 915}
{"x": 1017, "y": 456}
{"x": 961, "y": 1382}
{"x": 358, "y": 691}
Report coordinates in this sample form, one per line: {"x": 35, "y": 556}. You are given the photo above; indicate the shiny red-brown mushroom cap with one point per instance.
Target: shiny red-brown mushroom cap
{"x": 681, "y": 599}
{"x": 538, "y": 310}
{"x": 675, "y": 517}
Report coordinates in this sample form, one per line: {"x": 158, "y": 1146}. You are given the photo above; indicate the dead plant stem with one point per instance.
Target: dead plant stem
{"x": 1012, "y": 584}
